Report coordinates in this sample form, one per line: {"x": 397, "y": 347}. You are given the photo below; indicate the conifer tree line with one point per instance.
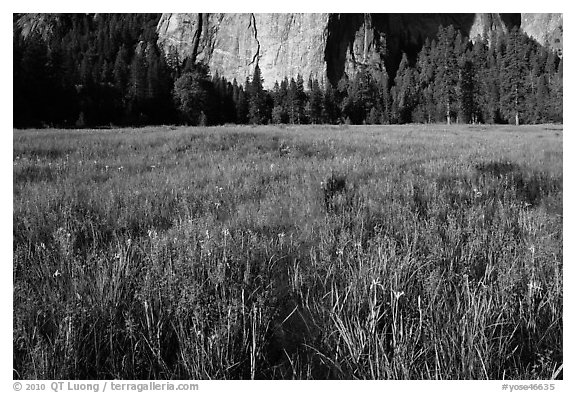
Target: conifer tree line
{"x": 108, "y": 70}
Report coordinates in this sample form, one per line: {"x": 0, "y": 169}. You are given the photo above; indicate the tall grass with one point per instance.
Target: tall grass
{"x": 215, "y": 253}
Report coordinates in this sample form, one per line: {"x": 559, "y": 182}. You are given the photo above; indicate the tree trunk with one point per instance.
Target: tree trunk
{"x": 516, "y": 104}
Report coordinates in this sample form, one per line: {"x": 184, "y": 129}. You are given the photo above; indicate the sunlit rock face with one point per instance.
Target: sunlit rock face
{"x": 324, "y": 46}
{"x": 283, "y": 45}
{"x": 547, "y": 29}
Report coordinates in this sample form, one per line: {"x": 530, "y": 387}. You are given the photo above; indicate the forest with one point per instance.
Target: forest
{"x": 107, "y": 70}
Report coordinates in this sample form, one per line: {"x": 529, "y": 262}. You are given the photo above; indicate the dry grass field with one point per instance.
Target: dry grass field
{"x": 369, "y": 252}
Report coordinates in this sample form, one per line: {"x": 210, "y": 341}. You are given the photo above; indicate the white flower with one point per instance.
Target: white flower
{"x": 398, "y": 294}
{"x": 225, "y": 232}
{"x": 375, "y": 283}
{"x": 57, "y": 273}
{"x": 535, "y": 286}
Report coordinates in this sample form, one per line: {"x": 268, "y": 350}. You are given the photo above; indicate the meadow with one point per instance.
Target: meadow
{"x": 311, "y": 252}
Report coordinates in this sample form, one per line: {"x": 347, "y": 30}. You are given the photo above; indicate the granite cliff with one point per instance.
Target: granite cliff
{"x": 231, "y": 44}
{"x": 325, "y": 45}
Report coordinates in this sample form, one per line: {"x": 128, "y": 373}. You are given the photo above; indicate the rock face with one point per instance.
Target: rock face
{"x": 232, "y": 44}
{"x": 324, "y": 46}
{"x": 547, "y": 29}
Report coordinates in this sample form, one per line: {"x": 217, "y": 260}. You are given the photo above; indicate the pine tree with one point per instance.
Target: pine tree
{"x": 514, "y": 68}
{"x": 468, "y": 92}
{"x": 425, "y": 77}
{"x": 446, "y": 79}
{"x": 279, "y": 114}
{"x": 404, "y": 92}
{"x": 490, "y": 80}
{"x": 385, "y": 101}
{"x": 330, "y": 107}
{"x": 257, "y": 101}
{"x": 120, "y": 71}
{"x": 373, "y": 117}
{"x": 556, "y": 104}
{"x": 241, "y": 107}
{"x": 296, "y": 101}
{"x": 301, "y": 101}
{"x": 541, "y": 100}
{"x": 137, "y": 88}
{"x": 315, "y": 103}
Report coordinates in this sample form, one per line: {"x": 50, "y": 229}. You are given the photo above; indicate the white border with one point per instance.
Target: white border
{"x": 297, "y": 6}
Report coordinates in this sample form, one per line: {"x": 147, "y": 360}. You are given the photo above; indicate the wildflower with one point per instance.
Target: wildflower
{"x": 398, "y": 294}
{"x": 375, "y": 283}
{"x": 477, "y": 193}
{"x": 56, "y": 273}
{"x": 225, "y": 232}
{"x": 105, "y": 167}
{"x": 120, "y": 168}
{"x": 152, "y": 233}
{"x": 340, "y": 252}
{"x": 534, "y": 286}
{"x": 217, "y": 204}
{"x": 152, "y": 166}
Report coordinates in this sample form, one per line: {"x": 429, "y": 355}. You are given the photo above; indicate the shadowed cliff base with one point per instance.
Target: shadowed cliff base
{"x": 392, "y": 34}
